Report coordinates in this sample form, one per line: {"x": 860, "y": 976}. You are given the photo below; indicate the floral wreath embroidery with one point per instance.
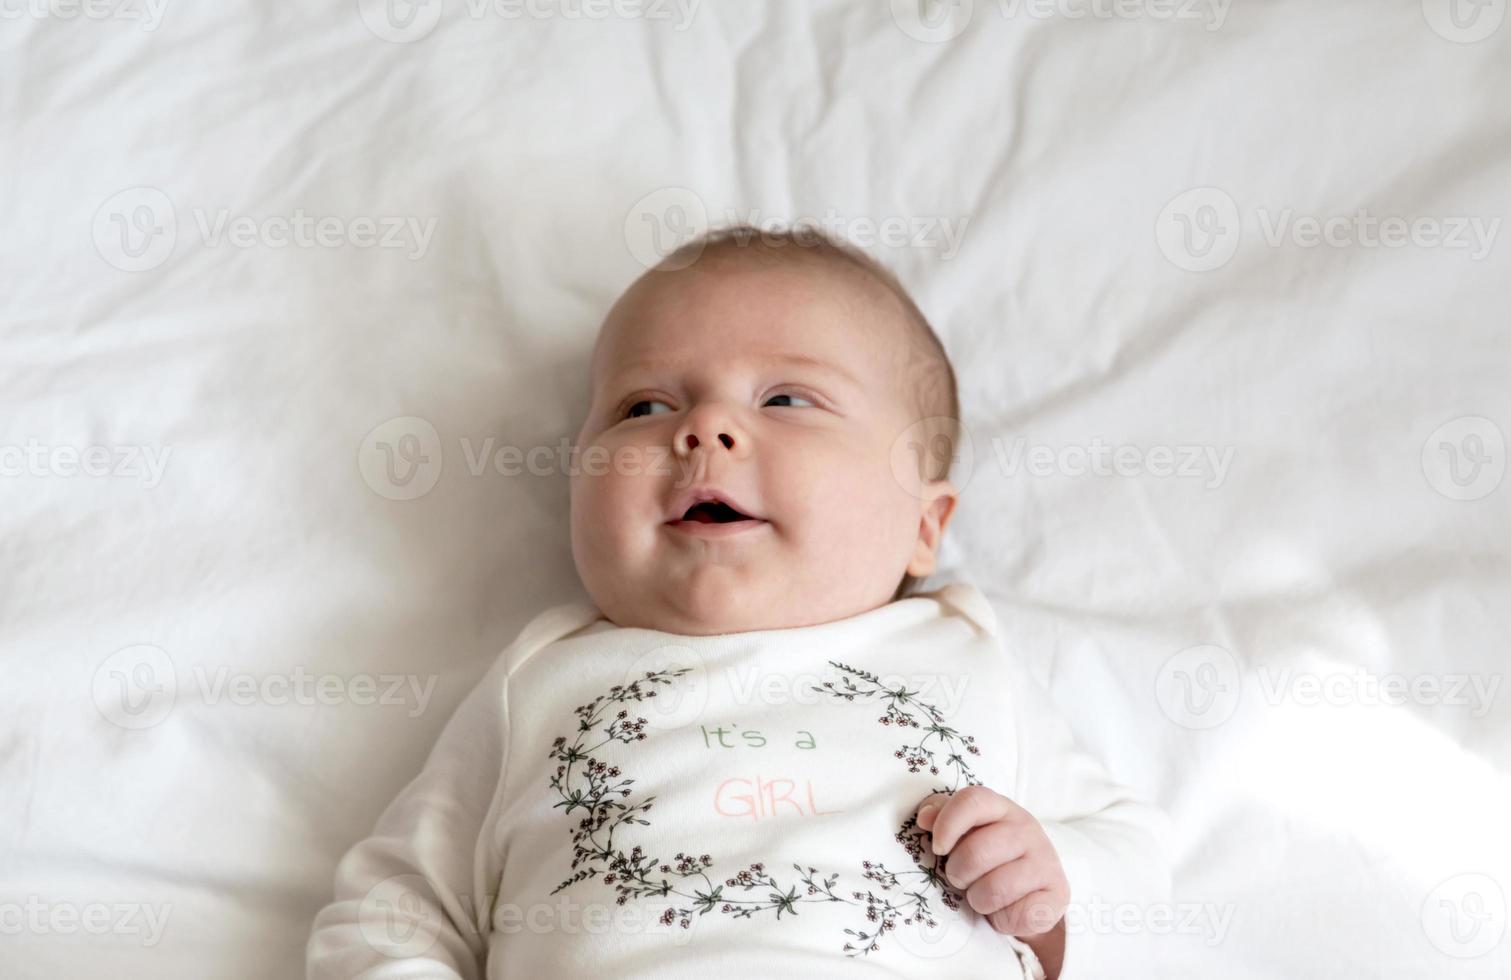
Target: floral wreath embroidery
{"x": 587, "y": 783}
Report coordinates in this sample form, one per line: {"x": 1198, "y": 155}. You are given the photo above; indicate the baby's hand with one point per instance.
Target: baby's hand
{"x": 1000, "y": 857}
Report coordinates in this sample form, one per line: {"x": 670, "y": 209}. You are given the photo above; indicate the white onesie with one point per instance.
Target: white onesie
{"x": 628, "y": 803}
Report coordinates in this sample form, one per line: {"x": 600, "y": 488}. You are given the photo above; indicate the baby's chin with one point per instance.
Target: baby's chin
{"x": 698, "y": 608}
{"x": 709, "y": 607}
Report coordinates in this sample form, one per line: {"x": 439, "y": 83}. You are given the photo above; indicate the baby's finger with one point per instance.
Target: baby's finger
{"x": 929, "y": 809}
{"x": 1032, "y": 915}
{"x": 1002, "y": 886}
{"x": 983, "y": 849}
{"x": 971, "y": 807}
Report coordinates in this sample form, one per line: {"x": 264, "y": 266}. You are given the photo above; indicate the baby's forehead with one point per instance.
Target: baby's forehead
{"x": 798, "y": 306}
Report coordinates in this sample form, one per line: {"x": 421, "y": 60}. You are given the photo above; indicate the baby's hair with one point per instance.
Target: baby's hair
{"x": 936, "y": 400}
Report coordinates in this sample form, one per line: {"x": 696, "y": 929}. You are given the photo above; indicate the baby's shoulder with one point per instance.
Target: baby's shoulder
{"x": 548, "y": 626}
{"x": 962, "y": 598}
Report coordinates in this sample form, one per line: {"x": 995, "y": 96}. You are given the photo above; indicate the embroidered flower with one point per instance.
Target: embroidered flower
{"x": 584, "y": 782}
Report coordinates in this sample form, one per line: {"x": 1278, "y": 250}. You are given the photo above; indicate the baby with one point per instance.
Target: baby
{"x": 757, "y": 750}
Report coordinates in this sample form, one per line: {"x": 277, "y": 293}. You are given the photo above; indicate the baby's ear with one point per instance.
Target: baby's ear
{"x": 938, "y": 498}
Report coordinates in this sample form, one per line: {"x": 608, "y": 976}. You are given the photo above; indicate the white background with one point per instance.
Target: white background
{"x": 1131, "y": 273}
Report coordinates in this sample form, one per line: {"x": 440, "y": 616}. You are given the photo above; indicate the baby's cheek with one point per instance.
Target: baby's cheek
{"x": 859, "y": 531}
{"x": 597, "y": 523}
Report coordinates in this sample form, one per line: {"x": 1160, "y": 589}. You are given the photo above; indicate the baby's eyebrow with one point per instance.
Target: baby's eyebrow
{"x": 804, "y": 360}
{"x": 795, "y": 360}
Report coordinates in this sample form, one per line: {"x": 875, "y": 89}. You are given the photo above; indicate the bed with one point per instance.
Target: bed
{"x": 292, "y": 292}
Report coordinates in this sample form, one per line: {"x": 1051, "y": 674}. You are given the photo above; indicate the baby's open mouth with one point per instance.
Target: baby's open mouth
{"x": 709, "y": 512}
{"x": 714, "y": 512}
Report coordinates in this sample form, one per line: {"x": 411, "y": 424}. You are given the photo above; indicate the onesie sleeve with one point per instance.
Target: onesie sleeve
{"x": 1112, "y": 845}
{"x": 414, "y": 899}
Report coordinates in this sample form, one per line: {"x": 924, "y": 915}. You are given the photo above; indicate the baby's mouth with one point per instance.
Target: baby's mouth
{"x": 714, "y": 512}
{"x": 715, "y": 519}
{"x": 711, "y": 513}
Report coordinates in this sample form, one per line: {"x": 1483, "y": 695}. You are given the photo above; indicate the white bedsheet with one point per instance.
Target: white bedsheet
{"x": 1220, "y": 416}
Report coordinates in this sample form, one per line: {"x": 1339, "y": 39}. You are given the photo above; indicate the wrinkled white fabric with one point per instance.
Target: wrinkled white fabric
{"x": 1308, "y": 491}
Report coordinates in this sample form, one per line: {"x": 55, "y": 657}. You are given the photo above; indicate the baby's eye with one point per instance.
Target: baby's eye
{"x": 648, "y": 404}
{"x": 790, "y": 399}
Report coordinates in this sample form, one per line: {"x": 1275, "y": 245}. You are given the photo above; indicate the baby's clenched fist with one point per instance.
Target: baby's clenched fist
{"x": 1000, "y": 857}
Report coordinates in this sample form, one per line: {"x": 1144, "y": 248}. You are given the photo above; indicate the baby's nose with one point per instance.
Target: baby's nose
{"x": 725, "y": 439}
{"x": 710, "y": 427}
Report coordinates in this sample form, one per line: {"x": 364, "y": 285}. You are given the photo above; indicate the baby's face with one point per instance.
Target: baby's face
{"x": 779, "y": 389}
